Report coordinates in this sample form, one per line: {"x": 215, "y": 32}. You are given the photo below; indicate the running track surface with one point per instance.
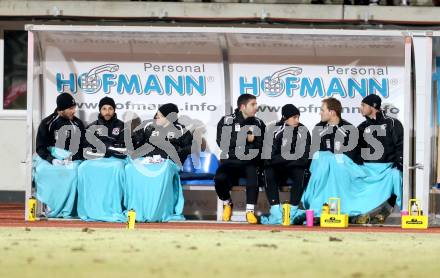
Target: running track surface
{"x": 12, "y": 215}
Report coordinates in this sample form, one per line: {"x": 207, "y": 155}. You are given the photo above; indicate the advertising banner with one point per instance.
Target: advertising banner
{"x": 303, "y": 70}
{"x": 140, "y": 73}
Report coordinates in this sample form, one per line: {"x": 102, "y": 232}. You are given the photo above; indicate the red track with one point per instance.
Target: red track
{"x": 12, "y": 215}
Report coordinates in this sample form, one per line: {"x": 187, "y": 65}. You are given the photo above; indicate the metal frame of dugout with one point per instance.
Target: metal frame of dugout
{"x": 420, "y": 131}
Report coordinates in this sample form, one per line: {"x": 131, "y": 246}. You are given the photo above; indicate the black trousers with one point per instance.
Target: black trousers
{"x": 277, "y": 175}
{"x": 392, "y": 200}
{"x": 228, "y": 174}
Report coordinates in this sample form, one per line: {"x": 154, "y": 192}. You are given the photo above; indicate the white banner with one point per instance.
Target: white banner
{"x": 312, "y": 70}
{"x": 144, "y": 74}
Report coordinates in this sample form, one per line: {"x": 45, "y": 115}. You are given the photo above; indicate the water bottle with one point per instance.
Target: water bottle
{"x": 333, "y": 208}
{"x": 414, "y": 209}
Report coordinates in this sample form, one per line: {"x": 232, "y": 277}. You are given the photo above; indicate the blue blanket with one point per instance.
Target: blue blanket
{"x": 100, "y": 190}
{"x": 56, "y": 187}
{"x": 361, "y": 188}
{"x": 153, "y": 191}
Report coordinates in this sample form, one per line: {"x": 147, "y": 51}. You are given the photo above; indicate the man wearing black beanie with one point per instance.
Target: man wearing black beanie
{"x": 109, "y": 130}
{"x": 289, "y": 159}
{"x": 381, "y": 128}
{"x": 50, "y": 134}
{"x": 59, "y": 141}
{"x": 381, "y": 141}
{"x": 169, "y": 111}
{"x": 103, "y": 178}
{"x": 164, "y": 136}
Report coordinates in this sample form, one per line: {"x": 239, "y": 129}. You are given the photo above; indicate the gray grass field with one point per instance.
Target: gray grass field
{"x": 52, "y": 252}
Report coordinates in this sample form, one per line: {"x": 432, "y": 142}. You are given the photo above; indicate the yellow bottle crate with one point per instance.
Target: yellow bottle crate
{"x": 334, "y": 220}
{"x": 417, "y": 221}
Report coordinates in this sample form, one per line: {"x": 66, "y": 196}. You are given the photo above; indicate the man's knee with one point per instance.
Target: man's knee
{"x": 220, "y": 178}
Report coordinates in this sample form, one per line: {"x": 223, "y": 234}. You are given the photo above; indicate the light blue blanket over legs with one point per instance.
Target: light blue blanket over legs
{"x": 100, "y": 190}
{"x": 154, "y": 191}
{"x": 361, "y": 188}
{"x": 56, "y": 187}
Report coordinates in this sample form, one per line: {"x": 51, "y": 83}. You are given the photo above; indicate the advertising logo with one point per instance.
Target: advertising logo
{"x": 107, "y": 78}
{"x": 335, "y": 81}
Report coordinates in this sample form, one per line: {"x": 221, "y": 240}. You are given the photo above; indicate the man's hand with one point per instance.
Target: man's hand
{"x": 57, "y": 162}
{"x": 250, "y": 138}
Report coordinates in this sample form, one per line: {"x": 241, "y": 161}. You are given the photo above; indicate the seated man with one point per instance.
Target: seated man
{"x": 101, "y": 178}
{"x": 335, "y": 134}
{"x": 168, "y": 138}
{"x": 153, "y": 186}
{"x": 59, "y": 148}
{"x": 238, "y": 135}
{"x": 335, "y": 173}
{"x": 289, "y": 159}
{"x": 381, "y": 142}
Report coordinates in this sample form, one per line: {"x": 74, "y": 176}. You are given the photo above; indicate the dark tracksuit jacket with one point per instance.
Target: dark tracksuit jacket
{"x": 298, "y": 138}
{"x": 112, "y": 138}
{"x": 391, "y": 140}
{"x": 49, "y": 132}
{"x": 235, "y": 122}
{"x": 333, "y": 138}
{"x": 162, "y": 139}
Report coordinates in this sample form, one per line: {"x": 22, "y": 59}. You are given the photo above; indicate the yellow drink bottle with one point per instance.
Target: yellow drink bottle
{"x": 325, "y": 209}
{"x": 131, "y": 219}
{"x": 32, "y": 208}
{"x": 286, "y": 214}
